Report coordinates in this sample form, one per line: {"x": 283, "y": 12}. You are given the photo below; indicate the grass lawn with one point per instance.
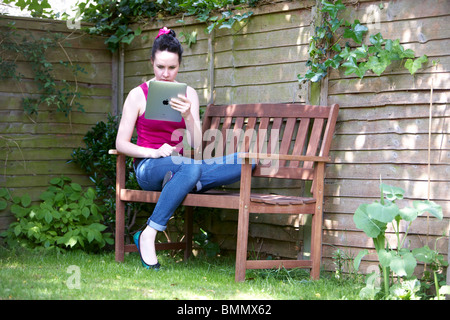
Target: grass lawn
{"x": 45, "y": 275}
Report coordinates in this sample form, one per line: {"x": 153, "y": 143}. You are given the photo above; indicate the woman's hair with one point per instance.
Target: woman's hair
{"x": 167, "y": 41}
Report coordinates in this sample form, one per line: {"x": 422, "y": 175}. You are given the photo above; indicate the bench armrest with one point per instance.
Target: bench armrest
{"x": 287, "y": 157}
{"x": 114, "y": 151}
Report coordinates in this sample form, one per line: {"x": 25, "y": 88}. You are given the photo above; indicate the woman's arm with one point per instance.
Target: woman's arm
{"x": 189, "y": 107}
{"x": 134, "y": 103}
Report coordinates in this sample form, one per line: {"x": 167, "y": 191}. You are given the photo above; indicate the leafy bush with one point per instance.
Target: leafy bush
{"x": 98, "y": 164}
{"x": 66, "y": 217}
{"x": 101, "y": 168}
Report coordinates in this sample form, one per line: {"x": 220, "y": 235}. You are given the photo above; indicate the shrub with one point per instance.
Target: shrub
{"x": 101, "y": 168}
{"x": 66, "y": 217}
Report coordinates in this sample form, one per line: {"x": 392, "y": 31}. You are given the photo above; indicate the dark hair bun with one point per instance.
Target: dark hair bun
{"x": 167, "y": 42}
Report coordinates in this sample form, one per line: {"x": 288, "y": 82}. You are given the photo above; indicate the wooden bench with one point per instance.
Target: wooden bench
{"x": 289, "y": 141}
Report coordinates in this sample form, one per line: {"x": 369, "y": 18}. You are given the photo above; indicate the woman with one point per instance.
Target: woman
{"x": 155, "y": 165}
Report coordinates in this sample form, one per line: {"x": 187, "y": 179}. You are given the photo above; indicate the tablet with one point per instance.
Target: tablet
{"x": 159, "y": 95}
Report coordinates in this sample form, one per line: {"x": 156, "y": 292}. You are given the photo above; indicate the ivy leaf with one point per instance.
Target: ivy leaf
{"x": 227, "y": 24}
{"x": 335, "y": 24}
{"x": 377, "y": 40}
{"x": 353, "y": 67}
{"x": 361, "y": 52}
{"x": 355, "y": 32}
{"x": 414, "y": 65}
{"x": 345, "y": 53}
{"x": 211, "y": 27}
{"x": 128, "y": 38}
{"x": 332, "y": 8}
{"x": 334, "y": 63}
{"x": 246, "y": 15}
{"x": 376, "y": 65}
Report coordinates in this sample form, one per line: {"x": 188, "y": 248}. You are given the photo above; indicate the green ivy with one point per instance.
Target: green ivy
{"x": 52, "y": 92}
{"x": 66, "y": 217}
{"x": 327, "y": 48}
{"x": 114, "y": 18}
{"x": 38, "y": 8}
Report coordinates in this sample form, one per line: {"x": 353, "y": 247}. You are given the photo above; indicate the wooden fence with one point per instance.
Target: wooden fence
{"x": 36, "y": 148}
{"x": 383, "y": 124}
{"x": 382, "y": 132}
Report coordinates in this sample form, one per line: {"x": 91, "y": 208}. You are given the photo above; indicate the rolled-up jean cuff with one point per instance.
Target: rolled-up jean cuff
{"x": 156, "y": 226}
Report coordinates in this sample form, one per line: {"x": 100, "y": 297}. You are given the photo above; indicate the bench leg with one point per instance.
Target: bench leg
{"x": 316, "y": 227}
{"x": 243, "y": 222}
{"x": 316, "y": 246}
{"x": 241, "y": 249}
{"x": 120, "y": 231}
{"x": 188, "y": 224}
{"x": 120, "y": 209}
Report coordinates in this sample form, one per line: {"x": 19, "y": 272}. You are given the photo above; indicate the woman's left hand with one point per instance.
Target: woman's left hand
{"x": 181, "y": 104}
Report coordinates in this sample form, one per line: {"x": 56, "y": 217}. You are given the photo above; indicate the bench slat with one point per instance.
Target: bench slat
{"x": 268, "y": 110}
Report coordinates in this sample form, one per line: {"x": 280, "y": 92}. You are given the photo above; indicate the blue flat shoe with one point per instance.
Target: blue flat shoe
{"x": 136, "y": 238}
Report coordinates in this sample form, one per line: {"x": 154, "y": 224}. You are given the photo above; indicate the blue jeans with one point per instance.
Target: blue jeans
{"x": 189, "y": 175}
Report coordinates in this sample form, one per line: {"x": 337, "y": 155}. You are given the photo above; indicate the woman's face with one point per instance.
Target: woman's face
{"x": 165, "y": 66}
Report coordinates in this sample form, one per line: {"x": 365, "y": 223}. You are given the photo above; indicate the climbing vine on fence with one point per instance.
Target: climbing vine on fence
{"x": 115, "y": 18}
{"x": 51, "y": 91}
{"x": 330, "y": 47}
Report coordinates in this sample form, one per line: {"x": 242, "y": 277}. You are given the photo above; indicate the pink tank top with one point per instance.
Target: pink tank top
{"x": 154, "y": 133}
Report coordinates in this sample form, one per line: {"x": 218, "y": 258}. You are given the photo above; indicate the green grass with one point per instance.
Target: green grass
{"x": 39, "y": 275}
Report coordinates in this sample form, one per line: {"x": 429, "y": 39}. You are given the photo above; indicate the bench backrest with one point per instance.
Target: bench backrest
{"x": 285, "y": 129}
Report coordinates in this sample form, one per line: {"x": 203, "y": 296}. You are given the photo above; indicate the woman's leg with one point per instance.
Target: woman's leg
{"x": 147, "y": 245}
{"x": 150, "y": 174}
{"x": 217, "y": 172}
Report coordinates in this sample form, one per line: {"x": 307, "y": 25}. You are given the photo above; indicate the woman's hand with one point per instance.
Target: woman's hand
{"x": 164, "y": 151}
{"x": 182, "y": 104}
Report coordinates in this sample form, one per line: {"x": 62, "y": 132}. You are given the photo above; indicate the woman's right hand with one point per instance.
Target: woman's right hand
{"x": 164, "y": 151}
